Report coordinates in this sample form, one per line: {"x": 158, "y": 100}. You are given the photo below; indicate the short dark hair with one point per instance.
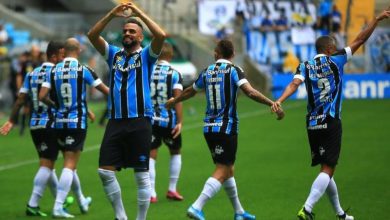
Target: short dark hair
{"x": 134, "y": 21}
{"x": 225, "y": 48}
{"x": 323, "y": 42}
{"x": 53, "y": 47}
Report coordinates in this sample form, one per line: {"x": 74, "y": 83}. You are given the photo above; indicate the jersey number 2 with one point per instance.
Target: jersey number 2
{"x": 324, "y": 85}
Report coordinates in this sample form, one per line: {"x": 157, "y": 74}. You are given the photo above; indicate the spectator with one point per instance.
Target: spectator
{"x": 324, "y": 14}
{"x": 3, "y": 41}
{"x": 336, "y": 19}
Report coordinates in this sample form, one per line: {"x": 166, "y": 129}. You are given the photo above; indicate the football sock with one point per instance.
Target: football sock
{"x": 53, "y": 183}
{"x": 334, "y": 197}
{"x": 211, "y": 187}
{"x": 231, "y": 190}
{"x": 152, "y": 173}
{"x": 317, "y": 190}
{"x": 40, "y": 181}
{"x": 64, "y": 185}
{"x": 113, "y": 192}
{"x": 174, "y": 171}
{"x": 76, "y": 188}
{"x": 143, "y": 196}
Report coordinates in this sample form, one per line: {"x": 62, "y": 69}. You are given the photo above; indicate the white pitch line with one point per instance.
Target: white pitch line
{"x": 186, "y": 127}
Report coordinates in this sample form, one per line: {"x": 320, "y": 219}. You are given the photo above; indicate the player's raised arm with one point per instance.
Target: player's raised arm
{"x": 94, "y": 33}
{"x": 158, "y": 34}
{"x": 366, "y": 33}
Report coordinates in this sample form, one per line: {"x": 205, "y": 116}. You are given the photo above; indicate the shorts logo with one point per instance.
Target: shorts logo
{"x": 169, "y": 141}
{"x": 142, "y": 158}
{"x": 69, "y": 140}
{"x": 322, "y": 151}
{"x": 153, "y": 138}
{"x": 218, "y": 149}
{"x": 43, "y": 147}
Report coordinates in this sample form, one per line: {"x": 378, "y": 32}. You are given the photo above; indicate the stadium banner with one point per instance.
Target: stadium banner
{"x": 355, "y": 86}
{"x": 215, "y": 14}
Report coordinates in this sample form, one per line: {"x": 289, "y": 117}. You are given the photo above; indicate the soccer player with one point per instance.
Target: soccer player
{"x": 166, "y": 83}
{"x": 127, "y": 139}
{"x": 68, "y": 81}
{"x": 41, "y": 127}
{"x": 220, "y": 81}
{"x": 323, "y": 78}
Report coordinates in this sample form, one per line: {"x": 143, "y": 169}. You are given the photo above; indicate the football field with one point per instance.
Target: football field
{"x": 273, "y": 170}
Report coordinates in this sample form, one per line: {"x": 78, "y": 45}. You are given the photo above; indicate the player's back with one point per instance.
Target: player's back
{"x": 164, "y": 80}
{"x": 323, "y": 78}
{"x": 68, "y": 80}
{"x": 41, "y": 115}
{"x": 220, "y": 82}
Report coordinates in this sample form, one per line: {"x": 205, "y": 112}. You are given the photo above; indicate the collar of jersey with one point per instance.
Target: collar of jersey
{"x": 319, "y": 55}
{"x": 70, "y": 59}
{"x": 134, "y": 52}
{"x": 47, "y": 64}
{"x": 163, "y": 62}
{"x": 223, "y": 61}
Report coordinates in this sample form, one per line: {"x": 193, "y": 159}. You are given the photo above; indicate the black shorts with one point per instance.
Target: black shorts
{"x": 126, "y": 143}
{"x": 223, "y": 147}
{"x": 71, "y": 139}
{"x": 325, "y": 142}
{"x": 45, "y": 142}
{"x": 160, "y": 134}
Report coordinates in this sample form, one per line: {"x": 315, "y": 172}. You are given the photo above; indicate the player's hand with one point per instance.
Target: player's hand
{"x": 135, "y": 11}
{"x": 384, "y": 15}
{"x": 6, "y": 128}
{"x": 276, "y": 106}
{"x": 176, "y": 130}
{"x": 121, "y": 10}
{"x": 280, "y": 114}
{"x": 170, "y": 103}
{"x": 91, "y": 116}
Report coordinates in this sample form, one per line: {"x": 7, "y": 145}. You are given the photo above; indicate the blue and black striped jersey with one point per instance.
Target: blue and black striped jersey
{"x": 323, "y": 79}
{"x": 164, "y": 80}
{"x": 41, "y": 115}
{"x": 68, "y": 79}
{"x": 130, "y": 82}
{"x": 220, "y": 82}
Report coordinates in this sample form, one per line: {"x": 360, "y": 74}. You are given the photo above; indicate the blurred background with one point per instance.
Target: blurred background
{"x": 271, "y": 38}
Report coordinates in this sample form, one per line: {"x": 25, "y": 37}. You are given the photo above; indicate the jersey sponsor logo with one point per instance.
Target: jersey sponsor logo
{"x": 211, "y": 80}
{"x": 207, "y": 124}
{"x": 318, "y": 127}
{"x": 119, "y": 66}
{"x": 212, "y": 72}
{"x": 156, "y": 118}
{"x": 68, "y": 76}
{"x": 68, "y": 69}
{"x": 67, "y": 120}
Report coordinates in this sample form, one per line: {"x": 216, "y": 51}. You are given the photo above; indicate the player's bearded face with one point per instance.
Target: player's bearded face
{"x": 131, "y": 36}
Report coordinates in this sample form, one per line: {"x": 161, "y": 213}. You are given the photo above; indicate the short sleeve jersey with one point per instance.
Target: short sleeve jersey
{"x": 323, "y": 79}
{"x": 164, "y": 80}
{"x": 68, "y": 80}
{"x": 41, "y": 115}
{"x": 129, "y": 80}
{"x": 220, "y": 82}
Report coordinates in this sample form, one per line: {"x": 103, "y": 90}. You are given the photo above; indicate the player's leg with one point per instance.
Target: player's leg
{"x": 65, "y": 182}
{"x": 84, "y": 202}
{"x": 109, "y": 161}
{"x": 40, "y": 181}
{"x": 333, "y": 195}
{"x": 156, "y": 143}
{"x": 138, "y": 152}
{"x": 48, "y": 153}
{"x": 174, "y": 146}
{"x": 113, "y": 190}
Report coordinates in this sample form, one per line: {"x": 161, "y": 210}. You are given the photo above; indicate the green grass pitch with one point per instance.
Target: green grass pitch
{"x": 273, "y": 170}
